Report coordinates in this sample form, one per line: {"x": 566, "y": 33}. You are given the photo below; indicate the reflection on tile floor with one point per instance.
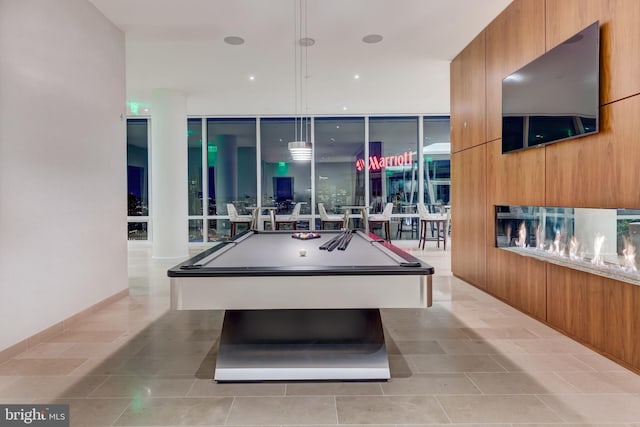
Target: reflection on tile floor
{"x": 469, "y": 359}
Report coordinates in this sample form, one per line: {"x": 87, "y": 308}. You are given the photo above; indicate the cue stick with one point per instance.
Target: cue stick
{"x": 332, "y": 245}
{"x": 337, "y": 237}
{"x": 327, "y": 245}
{"x": 343, "y": 245}
{"x": 339, "y": 241}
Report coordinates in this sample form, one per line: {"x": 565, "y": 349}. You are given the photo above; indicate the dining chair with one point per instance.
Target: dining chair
{"x": 289, "y": 219}
{"x": 383, "y": 219}
{"x": 331, "y": 219}
{"x": 236, "y": 219}
{"x": 447, "y": 209}
{"x": 411, "y": 222}
{"x": 437, "y": 222}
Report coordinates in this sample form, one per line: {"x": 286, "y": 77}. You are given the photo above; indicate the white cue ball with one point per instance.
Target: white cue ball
{"x": 302, "y": 252}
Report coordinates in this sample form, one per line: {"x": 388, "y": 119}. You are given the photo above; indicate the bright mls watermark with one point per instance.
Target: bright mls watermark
{"x": 34, "y": 415}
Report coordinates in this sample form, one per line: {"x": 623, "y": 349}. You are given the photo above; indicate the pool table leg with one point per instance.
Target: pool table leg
{"x": 426, "y": 289}
{"x": 305, "y": 344}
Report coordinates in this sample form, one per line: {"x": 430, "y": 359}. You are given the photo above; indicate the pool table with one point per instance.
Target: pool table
{"x": 294, "y": 311}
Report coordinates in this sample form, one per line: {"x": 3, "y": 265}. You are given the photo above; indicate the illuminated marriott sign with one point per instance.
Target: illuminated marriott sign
{"x": 376, "y": 163}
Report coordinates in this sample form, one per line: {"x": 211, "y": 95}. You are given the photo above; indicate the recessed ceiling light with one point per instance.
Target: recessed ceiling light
{"x": 252, "y": 78}
{"x": 307, "y": 41}
{"x": 344, "y": 108}
{"x": 356, "y": 76}
{"x": 234, "y": 40}
{"x": 372, "y": 38}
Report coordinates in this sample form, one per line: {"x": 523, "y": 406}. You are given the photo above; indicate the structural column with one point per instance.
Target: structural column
{"x": 169, "y": 174}
{"x": 226, "y": 168}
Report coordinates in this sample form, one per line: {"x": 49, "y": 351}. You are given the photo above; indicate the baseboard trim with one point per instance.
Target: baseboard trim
{"x": 58, "y": 328}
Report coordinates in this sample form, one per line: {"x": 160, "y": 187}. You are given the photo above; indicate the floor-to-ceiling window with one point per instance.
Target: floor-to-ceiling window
{"x": 138, "y": 178}
{"x": 230, "y": 170}
{"x": 339, "y": 177}
{"x": 393, "y": 164}
{"x": 194, "y": 172}
{"x": 436, "y": 157}
{"x": 223, "y": 168}
{"x": 285, "y": 181}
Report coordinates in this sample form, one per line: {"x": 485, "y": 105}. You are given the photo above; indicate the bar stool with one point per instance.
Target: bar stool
{"x": 384, "y": 218}
{"x": 289, "y": 219}
{"x": 411, "y": 222}
{"x": 326, "y": 218}
{"x": 437, "y": 222}
{"x": 236, "y": 219}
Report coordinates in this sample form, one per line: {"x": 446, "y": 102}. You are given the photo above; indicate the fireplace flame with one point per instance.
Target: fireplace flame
{"x": 557, "y": 247}
{"x": 522, "y": 236}
{"x": 540, "y": 237}
{"x": 556, "y": 244}
{"x": 629, "y": 253}
{"x": 597, "y": 248}
{"x": 573, "y": 248}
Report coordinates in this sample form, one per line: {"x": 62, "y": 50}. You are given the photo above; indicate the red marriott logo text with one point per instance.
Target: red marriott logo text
{"x": 376, "y": 163}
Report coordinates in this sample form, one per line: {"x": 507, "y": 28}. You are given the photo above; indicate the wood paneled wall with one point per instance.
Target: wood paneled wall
{"x": 622, "y": 322}
{"x": 514, "y": 180}
{"x": 610, "y": 159}
{"x": 620, "y": 39}
{"x": 517, "y": 281}
{"x": 576, "y": 304}
{"x": 513, "y": 39}
{"x": 576, "y": 169}
{"x": 596, "y": 171}
{"x": 468, "y": 115}
{"x": 468, "y": 172}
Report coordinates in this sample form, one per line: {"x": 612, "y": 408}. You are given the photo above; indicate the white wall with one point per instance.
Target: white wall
{"x": 62, "y": 163}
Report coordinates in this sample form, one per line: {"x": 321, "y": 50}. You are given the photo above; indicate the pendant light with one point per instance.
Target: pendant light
{"x": 300, "y": 148}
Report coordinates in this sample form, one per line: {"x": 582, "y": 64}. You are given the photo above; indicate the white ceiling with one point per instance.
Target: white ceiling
{"x": 178, "y": 44}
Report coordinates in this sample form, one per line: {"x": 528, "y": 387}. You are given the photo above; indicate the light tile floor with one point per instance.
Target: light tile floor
{"x": 469, "y": 359}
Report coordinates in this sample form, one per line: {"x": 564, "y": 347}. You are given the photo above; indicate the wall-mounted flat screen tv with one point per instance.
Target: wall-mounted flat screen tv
{"x": 556, "y": 96}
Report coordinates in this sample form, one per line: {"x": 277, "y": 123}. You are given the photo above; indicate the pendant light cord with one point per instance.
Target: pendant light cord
{"x": 306, "y": 73}
{"x": 295, "y": 70}
{"x": 301, "y": 69}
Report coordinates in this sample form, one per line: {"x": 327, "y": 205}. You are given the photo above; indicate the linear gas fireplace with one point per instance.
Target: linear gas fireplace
{"x": 597, "y": 241}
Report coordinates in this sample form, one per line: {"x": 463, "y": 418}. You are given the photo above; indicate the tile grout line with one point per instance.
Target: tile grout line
{"x": 500, "y": 364}
{"x": 193, "y": 383}
{"x": 482, "y": 393}
{"x": 444, "y": 411}
{"x": 553, "y": 411}
{"x": 88, "y": 396}
{"x": 122, "y": 413}
{"x": 590, "y": 368}
{"x": 226, "y": 419}
{"x": 557, "y": 375}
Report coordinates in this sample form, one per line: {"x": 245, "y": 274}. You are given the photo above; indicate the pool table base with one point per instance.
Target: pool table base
{"x": 302, "y": 344}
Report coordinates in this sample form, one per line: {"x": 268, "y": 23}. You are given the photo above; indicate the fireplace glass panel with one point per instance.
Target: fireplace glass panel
{"x": 598, "y": 241}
